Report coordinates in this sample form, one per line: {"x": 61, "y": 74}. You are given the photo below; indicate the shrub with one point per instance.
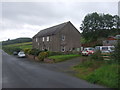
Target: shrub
{"x": 10, "y": 50}
{"x": 34, "y": 51}
{"x": 96, "y": 56}
{"x": 17, "y": 49}
{"x": 26, "y": 50}
{"x": 29, "y": 51}
{"x": 42, "y": 55}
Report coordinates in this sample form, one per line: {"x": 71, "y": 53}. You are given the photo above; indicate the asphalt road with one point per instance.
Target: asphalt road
{"x": 21, "y": 73}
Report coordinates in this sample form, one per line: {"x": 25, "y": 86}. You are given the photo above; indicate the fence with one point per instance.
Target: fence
{"x": 106, "y": 56}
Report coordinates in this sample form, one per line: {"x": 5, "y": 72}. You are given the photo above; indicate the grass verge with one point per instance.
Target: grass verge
{"x": 98, "y": 72}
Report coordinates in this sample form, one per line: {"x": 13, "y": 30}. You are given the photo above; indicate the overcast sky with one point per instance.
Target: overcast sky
{"x": 25, "y": 19}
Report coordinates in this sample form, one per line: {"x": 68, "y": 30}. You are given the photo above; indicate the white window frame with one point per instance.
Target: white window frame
{"x": 70, "y": 49}
{"x": 36, "y": 39}
{"x": 42, "y": 48}
{"x": 43, "y": 39}
{"x": 48, "y": 38}
{"x": 63, "y": 48}
{"x": 63, "y": 37}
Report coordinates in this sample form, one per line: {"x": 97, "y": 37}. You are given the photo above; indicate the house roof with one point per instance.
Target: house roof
{"x": 51, "y": 30}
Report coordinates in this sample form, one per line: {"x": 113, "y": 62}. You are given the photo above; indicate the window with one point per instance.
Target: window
{"x": 42, "y": 48}
{"x": 43, "y": 39}
{"x": 38, "y": 44}
{"x": 104, "y": 48}
{"x": 70, "y": 49}
{"x": 48, "y": 38}
{"x": 36, "y": 39}
{"x": 73, "y": 48}
{"x": 112, "y": 48}
{"x": 63, "y": 48}
{"x": 63, "y": 37}
{"x": 48, "y": 48}
{"x": 78, "y": 49}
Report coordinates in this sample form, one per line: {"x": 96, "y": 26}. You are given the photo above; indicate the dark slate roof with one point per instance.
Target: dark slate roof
{"x": 51, "y": 31}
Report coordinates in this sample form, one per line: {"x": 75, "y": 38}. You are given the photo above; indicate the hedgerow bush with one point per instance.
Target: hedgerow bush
{"x": 10, "y": 50}
{"x": 26, "y": 50}
{"x": 34, "y": 52}
{"x": 42, "y": 55}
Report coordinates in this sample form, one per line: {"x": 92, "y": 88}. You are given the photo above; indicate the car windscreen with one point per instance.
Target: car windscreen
{"x": 91, "y": 49}
{"x": 21, "y": 52}
{"x": 85, "y": 49}
{"x": 104, "y": 48}
{"x": 112, "y": 48}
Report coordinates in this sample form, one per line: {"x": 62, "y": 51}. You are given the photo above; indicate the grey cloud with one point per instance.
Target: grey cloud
{"x": 47, "y": 12}
{"x": 31, "y": 12}
{"x": 16, "y": 14}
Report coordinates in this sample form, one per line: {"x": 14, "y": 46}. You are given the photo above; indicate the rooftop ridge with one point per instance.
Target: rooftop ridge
{"x": 51, "y": 30}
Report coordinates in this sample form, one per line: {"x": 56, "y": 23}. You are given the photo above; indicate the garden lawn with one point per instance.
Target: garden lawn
{"x": 60, "y": 58}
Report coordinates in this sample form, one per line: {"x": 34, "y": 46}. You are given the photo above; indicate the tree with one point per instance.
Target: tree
{"x": 96, "y": 25}
{"x": 116, "y": 23}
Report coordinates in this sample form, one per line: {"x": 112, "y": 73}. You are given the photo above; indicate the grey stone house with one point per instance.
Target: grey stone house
{"x": 60, "y": 38}
{"x": 111, "y": 40}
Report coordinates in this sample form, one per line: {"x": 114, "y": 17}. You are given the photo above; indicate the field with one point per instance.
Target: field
{"x": 20, "y": 45}
{"x": 16, "y": 47}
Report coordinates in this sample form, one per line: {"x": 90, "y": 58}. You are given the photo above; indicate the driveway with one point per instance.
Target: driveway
{"x": 23, "y": 73}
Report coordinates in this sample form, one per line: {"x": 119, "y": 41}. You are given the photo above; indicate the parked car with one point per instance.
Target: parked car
{"x": 88, "y": 51}
{"x": 107, "y": 49}
{"x": 21, "y": 54}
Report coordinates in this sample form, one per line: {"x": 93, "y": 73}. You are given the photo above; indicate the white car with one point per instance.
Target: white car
{"x": 105, "y": 48}
{"x": 21, "y": 54}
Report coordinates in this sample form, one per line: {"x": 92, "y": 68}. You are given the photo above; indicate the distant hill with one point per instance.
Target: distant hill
{"x": 18, "y": 40}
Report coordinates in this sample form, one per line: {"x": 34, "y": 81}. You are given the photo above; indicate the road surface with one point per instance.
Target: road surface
{"x": 21, "y": 73}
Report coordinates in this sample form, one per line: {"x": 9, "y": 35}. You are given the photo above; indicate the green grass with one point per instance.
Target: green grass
{"x": 60, "y": 58}
{"x": 13, "y": 47}
{"x": 98, "y": 72}
{"x": 85, "y": 68}
{"x": 106, "y": 75}
{"x": 0, "y": 45}
{"x": 20, "y": 45}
